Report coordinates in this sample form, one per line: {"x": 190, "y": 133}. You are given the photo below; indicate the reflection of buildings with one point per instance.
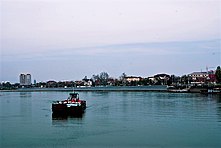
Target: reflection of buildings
{"x": 26, "y": 105}
{"x": 218, "y": 106}
{"x": 25, "y": 79}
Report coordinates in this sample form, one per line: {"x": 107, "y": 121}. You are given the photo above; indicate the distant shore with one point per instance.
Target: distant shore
{"x": 156, "y": 88}
{"x": 150, "y": 88}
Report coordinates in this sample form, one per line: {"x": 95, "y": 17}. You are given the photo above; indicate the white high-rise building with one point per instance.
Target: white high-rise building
{"x": 22, "y": 79}
{"x": 25, "y": 79}
{"x": 28, "y": 79}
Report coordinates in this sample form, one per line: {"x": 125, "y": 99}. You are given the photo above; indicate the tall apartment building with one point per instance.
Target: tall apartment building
{"x": 25, "y": 79}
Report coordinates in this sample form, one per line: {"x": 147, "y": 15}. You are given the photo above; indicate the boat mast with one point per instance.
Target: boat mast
{"x": 73, "y": 88}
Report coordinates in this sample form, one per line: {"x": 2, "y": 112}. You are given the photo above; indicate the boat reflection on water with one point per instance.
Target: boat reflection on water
{"x": 56, "y": 116}
{"x": 62, "y": 120}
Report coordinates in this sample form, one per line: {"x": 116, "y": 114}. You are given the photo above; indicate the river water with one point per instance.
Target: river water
{"x": 112, "y": 119}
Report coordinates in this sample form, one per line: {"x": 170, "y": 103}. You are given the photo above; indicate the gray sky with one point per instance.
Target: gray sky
{"x": 70, "y": 39}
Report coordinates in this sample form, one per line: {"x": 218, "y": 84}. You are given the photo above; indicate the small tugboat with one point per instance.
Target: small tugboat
{"x": 72, "y": 106}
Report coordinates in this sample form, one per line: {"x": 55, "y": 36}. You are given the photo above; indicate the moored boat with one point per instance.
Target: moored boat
{"x": 177, "y": 90}
{"x": 211, "y": 91}
{"x": 71, "y": 106}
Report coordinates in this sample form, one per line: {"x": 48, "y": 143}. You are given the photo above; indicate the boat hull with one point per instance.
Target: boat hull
{"x": 59, "y": 108}
{"x": 68, "y": 109}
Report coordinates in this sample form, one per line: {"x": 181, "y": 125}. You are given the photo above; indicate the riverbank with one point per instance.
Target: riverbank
{"x": 151, "y": 88}
{"x": 155, "y": 88}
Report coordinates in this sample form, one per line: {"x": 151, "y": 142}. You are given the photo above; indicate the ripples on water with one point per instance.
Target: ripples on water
{"x": 112, "y": 119}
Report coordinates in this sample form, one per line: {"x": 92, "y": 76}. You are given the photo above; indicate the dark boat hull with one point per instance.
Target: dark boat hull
{"x": 59, "y": 108}
{"x": 63, "y": 109}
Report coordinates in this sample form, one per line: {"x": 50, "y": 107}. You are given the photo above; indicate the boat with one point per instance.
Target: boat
{"x": 71, "y": 106}
{"x": 173, "y": 89}
{"x": 178, "y": 90}
{"x": 211, "y": 91}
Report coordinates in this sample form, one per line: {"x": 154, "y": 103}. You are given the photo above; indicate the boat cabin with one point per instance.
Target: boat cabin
{"x": 74, "y": 96}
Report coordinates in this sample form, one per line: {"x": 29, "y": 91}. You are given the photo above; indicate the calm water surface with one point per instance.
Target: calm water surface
{"x": 112, "y": 119}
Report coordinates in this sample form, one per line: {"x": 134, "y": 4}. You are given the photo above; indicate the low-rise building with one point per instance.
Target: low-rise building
{"x": 51, "y": 83}
{"x": 199, "y": 77}
{"x": 87, "y": 82}
{"x": 161, "y": 79}
{"x": 132, "y": 78}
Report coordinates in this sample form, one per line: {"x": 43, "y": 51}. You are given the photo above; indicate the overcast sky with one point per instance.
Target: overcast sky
{"x": 70, "y": 39}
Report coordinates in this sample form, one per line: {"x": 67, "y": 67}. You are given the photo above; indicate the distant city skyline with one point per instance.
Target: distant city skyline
{"x": 70, "y": 39}
{"x": 25, "y": 78}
